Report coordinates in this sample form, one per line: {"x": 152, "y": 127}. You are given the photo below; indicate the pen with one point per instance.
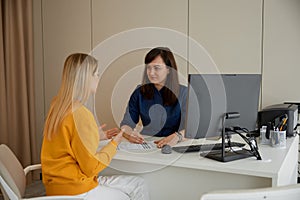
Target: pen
{"x": 283, "y": 123}
{"x": 284, "y": 127}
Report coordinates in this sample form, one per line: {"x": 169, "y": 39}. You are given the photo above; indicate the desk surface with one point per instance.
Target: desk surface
{"x": 269, "y": 166}
{"x": 278, "y": 167}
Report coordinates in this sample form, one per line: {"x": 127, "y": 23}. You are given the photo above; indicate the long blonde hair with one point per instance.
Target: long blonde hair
{"x": 74, "y": 91}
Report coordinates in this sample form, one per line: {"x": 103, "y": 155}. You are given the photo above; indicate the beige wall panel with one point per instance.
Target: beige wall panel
{"x": 66, "y": 30}
{"x": 281, "y": 52}
{"x": 231, "y": 33}
{"x": 111, "y": 17}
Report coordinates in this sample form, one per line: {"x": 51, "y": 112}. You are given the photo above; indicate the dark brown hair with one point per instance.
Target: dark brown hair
{"x": 171, "y": 89}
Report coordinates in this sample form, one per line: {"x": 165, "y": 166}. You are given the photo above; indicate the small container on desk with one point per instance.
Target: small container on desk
{"x": 263, "y": 136}
{"x": 278, "y": 138}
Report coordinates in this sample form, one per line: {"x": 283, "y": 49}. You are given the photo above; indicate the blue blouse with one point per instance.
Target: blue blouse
{"x": 158, "y": 119}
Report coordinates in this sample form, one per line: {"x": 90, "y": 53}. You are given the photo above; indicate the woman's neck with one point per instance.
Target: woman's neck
{"x": 158, "y": 86}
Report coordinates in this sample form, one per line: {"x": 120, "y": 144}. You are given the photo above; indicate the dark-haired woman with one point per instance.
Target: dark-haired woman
{"x": 159, "y": 102}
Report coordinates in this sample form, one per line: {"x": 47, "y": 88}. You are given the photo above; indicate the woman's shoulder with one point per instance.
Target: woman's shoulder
{"x": 138, "y": 87}
{"x": 79, "y": 112}
{"x": 82, "y": 113}
{"x": 182, "y": 88}
{"x": 137, "y": 90}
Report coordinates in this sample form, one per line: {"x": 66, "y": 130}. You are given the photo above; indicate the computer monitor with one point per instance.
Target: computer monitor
{"x": 210, "y": 96}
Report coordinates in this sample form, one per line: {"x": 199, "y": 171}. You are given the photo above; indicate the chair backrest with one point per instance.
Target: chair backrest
{"x": 12, "y": 172}
{"x": 291, "y": 192}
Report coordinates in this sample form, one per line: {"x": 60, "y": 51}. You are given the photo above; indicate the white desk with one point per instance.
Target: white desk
{"x": 188, "y": 176}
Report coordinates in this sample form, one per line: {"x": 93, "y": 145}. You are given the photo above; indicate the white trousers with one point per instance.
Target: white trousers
{"x": 120, "y": 187}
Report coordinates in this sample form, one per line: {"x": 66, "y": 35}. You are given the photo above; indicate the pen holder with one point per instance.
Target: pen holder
{"x": 278, "y": 139}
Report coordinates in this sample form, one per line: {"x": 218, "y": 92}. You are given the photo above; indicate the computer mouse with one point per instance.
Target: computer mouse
{"x": 166, "y": 149}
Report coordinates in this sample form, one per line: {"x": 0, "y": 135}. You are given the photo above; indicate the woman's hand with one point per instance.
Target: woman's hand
{"x": 111, "y": 132}
{"x": 170, "y": 140}
{"x": 134, "y": 137}
{"x": 108, "y": 134}
{"x": 118, "y": 137}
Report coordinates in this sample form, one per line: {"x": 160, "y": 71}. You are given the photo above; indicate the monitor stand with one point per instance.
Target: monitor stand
{"x": 227, "y": 155}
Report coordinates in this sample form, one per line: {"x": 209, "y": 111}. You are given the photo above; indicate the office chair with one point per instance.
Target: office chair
{"x": 290, "y": 192}
{"x": 13, "y": 177}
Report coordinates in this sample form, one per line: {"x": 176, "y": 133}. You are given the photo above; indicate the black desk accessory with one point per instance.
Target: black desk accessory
{"x": 225, "y": 156}
{"x": 272, "y": 115}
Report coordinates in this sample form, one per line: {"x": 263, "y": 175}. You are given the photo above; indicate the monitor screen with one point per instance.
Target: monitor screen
{"x": 210, "y": 96}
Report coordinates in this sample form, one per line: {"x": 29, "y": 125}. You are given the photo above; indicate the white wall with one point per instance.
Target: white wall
{"x": 241, "y": 36}
{"x": 230, "y": 31}
{"x": 281, "y": 67}
{"x": 125, "y": 73}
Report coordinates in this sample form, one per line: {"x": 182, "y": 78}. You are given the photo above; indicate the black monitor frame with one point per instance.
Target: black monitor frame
{"x": 210, "y": 96}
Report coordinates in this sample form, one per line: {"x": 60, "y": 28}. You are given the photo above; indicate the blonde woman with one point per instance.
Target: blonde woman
{"x": 70, "y": 157}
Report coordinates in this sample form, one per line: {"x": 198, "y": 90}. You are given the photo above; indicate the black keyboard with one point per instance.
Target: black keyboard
{"x": 205, "y": 147}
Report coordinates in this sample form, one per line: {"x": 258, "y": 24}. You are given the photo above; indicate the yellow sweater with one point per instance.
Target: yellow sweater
{"x": 70, "y": 161}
